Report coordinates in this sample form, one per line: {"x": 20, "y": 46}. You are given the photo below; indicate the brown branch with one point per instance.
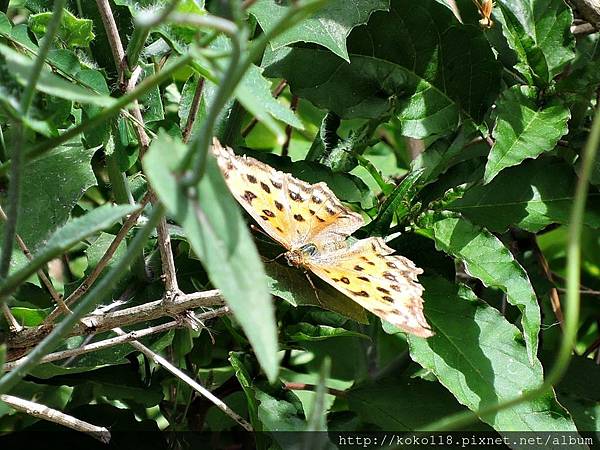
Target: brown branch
{"x": 193, "y": 113}
{"x": 589, "y": 10}
{"x": 13, "y": 324}
{"x": 114, "y": 39}
{"x": 102, "y": 322}
{"x": 128, "y": 337}
{"x": 288, "y": 128}
{"x": 52, "y": 415}
{"x": 554, "y": 298}
{"x": 276, "y": 93}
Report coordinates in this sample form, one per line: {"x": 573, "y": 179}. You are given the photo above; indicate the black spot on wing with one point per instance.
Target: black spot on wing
{"x": 265, "y": 187}
{"x": 251, "y": 178}
{"x": 268, "y": 213}
{"x": 249, "y": 196}
{"x": 361, "y": 293}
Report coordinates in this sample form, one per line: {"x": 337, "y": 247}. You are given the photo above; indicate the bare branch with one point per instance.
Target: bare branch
{"x": 53, "y": 415}
{"x": 102, "y": 322}
{"x": 131, "y": 336}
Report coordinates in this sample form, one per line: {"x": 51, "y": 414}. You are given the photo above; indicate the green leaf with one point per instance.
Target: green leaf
{"x": 52, "y": 185}
{"x": 73, "y": 32}
{"x": 581, "y": 397}
{"x": 539, "y": 33}
{"x": 403, "y": 62}
{"x": 277, "y": 414}
{"x": 529, "y": 196}
{"x": 49, "y": 83}
{"x": 65, "y": 237}
{"x": 308, "y": 332}
{"x": 243, "y": 377}
{"x": 486, "y": 258}
{"x": 329, "y": 26}
{"x": 318, "y": 414}
{"x": 477, "y": 356}
{"x": 218, "y": 235}
{"x": 397, "y": 204}
{"x": 524, "y": 129}
{"x": 402, "y": 404}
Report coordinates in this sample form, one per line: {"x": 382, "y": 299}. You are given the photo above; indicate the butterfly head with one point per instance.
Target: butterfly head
{"x": 298, "y": 257}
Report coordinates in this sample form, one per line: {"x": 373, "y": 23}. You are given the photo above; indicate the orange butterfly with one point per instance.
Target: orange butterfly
{"x": 313, "y": 225}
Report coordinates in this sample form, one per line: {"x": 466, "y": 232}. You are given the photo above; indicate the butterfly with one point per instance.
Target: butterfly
{"x": 314, "y": 226}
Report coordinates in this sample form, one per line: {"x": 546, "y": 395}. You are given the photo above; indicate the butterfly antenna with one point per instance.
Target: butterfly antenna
{"x": 268, "y": 261}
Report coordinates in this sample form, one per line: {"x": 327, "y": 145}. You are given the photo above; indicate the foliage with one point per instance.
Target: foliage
{"x": 460, "y": 145}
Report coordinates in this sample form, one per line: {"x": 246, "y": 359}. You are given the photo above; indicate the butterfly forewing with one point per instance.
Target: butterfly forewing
{"x": 384, "y": 284}
{"x": 259, "y": 189}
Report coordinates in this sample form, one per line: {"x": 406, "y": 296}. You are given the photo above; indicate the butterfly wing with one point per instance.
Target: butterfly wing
{"x": 259, "y": 189}
{"x": 290, "y": 210}
{"x": 382, "y": 283}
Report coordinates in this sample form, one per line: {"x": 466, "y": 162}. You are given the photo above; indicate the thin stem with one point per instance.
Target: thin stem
{"x": 571, "y": 315}
{"x": 288, "y": 129}
{"x": 193, "y": 112}
{"x": 234, "y": 74}
{"x": 198, "y": 148}
{"x": 112, "y": 34}
{"x": 122, "y": 102}
{"x": 41, "y": 274}
{"x": 95, "y": 296}
{"x": 276, "y": 93}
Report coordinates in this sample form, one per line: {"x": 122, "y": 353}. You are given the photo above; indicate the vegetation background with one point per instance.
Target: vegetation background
{"x": 132, "y": 290}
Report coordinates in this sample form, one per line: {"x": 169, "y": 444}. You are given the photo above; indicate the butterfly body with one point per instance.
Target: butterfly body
{"x": 313, "y": 226}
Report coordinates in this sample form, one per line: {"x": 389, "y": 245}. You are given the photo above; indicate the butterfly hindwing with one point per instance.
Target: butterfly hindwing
{"x": 382, "y": 283}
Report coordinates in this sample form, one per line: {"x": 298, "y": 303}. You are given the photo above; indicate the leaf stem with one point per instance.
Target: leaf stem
{"x": 98, "y": 293}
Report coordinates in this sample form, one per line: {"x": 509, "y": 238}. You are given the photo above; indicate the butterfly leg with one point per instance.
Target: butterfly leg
{"x": 310, "y": 281}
